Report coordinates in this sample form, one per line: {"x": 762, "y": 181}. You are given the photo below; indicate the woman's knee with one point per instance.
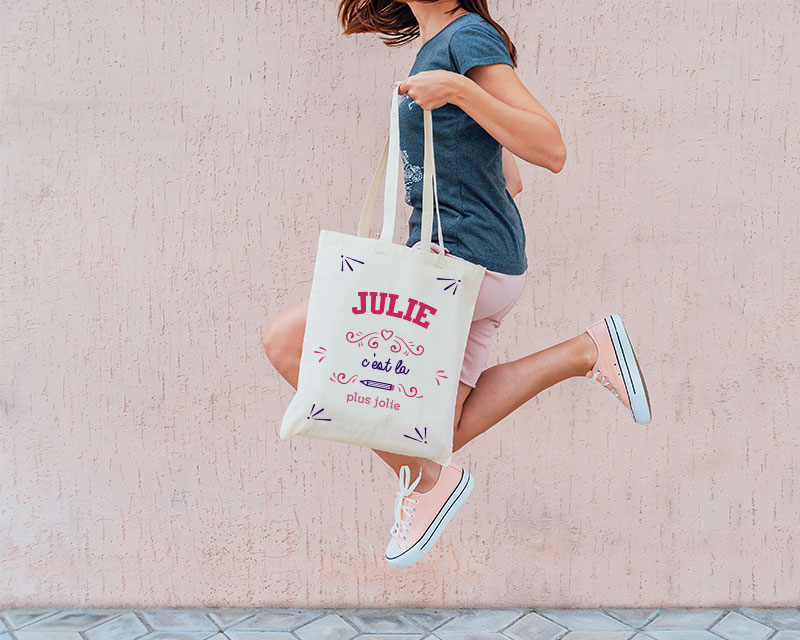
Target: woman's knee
{"x": 284, "y": 335}
{"x": 271, "y": 339}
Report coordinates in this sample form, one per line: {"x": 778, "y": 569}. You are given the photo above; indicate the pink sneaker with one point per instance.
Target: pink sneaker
{"x": 617, "y": 369}
{"x": 420, "y": 518}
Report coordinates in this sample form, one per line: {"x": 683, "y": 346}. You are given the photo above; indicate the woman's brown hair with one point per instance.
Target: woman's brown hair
{"x": 396, "y": 20}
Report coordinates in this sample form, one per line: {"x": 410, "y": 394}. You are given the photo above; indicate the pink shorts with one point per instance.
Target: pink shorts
{"x": 497, "y": 295}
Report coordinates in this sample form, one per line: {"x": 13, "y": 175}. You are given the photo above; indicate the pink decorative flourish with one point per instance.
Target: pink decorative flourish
{"x": 397, "y": 345}
{"x": 409, "y": 347}
{"x": 340, "y": 378}
{"x": 323, "y": 351}
{"x": 412, "y": 392}
{"x": 359, "y": 337}
{"x": 439, "y": 374}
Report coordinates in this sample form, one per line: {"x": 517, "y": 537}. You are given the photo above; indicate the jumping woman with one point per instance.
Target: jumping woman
{"x": 483, "y": 116}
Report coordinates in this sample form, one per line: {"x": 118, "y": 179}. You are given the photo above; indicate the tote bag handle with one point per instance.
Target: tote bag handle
{"x": 390, "y": 159}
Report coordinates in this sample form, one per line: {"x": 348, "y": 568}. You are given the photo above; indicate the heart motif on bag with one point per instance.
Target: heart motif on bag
{"x": 386, "y": 334}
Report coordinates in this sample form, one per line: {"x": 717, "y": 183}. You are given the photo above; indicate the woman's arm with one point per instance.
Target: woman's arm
{"x": 511, "y": 172}
{"x": 496, "y": 99}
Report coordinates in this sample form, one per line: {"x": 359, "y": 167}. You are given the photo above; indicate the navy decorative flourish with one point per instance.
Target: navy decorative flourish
{"x": 346, "y": 261}
{"x": 453, "y": 283}
{"x": 420, "y": 437}
{"x": 312, "y": 415}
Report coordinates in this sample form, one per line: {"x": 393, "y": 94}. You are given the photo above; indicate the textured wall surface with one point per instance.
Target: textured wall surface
{"x": 166, "y": 170}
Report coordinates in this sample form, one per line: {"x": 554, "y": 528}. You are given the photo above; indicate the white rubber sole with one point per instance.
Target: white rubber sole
{"x": 415, "y": 553}
{"x": 629, "y": 369}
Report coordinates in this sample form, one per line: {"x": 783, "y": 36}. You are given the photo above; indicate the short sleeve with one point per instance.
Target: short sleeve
{"x": 476, "y": 44}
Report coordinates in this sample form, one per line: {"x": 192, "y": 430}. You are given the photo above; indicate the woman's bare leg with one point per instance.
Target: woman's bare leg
{"x": 503, "y": 388}
{"x": 430, "y": 469}
{"x": 500, "y": 390}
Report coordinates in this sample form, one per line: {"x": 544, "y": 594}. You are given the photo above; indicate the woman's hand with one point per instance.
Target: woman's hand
{"x": 431, "y": 89}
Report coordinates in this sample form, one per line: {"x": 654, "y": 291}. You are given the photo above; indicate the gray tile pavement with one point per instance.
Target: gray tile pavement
{"x": 743, "y": 623}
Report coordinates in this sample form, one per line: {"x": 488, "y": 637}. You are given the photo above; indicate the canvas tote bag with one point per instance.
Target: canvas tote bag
{"x": 386, "y": 328}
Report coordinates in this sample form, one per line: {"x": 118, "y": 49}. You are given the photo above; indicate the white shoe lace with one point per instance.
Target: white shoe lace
{"x": 402, "y": 502}
{"x": 601, "y": 380}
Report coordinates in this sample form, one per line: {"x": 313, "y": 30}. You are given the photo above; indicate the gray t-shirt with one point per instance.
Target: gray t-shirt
{"x": 480, "y": 220}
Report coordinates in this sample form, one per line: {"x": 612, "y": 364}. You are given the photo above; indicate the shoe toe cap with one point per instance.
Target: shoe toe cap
{"x": 393, "y": 549}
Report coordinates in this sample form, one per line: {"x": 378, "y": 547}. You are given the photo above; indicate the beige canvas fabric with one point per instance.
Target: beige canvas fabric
{"x": 386, "y": 329}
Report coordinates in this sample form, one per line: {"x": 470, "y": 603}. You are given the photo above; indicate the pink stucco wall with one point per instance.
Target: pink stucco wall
{"x": 166, "y": 169}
